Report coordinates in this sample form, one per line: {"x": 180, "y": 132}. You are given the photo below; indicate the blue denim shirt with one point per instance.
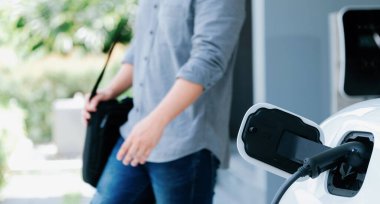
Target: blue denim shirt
{"x": 195, "y": 40}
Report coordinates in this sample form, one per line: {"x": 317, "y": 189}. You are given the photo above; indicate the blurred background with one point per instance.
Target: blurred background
{"x": 51, "y": 53}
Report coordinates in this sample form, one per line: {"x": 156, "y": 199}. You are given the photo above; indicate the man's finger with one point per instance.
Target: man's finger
{"x": 123, "y": 150}
{"x": 87, "y": 102}
{"x": 94, "y": 102}
{"x": 135, "y": 162}
{"x": 85, "y": 117}
{"x": 142, "y": 156}
{"x": 139, "y": 157}
{"x": 131, "y": 154}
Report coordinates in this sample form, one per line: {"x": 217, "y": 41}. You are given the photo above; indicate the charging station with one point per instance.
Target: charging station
{"x": 340, "y": 155}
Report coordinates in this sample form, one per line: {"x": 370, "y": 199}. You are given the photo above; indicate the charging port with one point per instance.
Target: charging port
{"x": 345, "y": 180}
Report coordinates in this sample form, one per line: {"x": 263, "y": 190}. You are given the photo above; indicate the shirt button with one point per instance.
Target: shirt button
{"x": 137, "y": 109}
{"x": 146, "y": 58}
{"x": 155, "y": 6}
{"x": 151, "y": 32}
{"x": 141, "y": 84}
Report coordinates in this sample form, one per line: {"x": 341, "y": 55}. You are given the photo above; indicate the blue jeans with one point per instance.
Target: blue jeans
{"x": 190, "y": 179}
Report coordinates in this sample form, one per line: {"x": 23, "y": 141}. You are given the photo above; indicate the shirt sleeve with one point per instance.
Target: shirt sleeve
{"x": 129, "y": 54}
{"x": 217, "y": 26}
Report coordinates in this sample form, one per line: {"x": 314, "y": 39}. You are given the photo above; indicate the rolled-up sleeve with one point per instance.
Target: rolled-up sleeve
{"x": 129, "y": 55}
{"x": 217, "y": 26}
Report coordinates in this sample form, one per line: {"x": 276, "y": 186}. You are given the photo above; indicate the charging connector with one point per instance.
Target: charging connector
{"x": 353, "y": 153}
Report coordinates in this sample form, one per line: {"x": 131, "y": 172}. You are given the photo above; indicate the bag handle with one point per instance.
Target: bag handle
{"x": 100, "y": 77}
{"x": 117, "y": 33}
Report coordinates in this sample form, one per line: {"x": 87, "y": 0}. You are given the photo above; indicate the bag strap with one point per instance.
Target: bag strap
{"x": 116, "y": 35}
{"x": 100, "y": 77}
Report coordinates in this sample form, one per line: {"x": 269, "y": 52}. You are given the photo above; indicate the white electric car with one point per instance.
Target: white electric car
{"x": 279, "y": 141}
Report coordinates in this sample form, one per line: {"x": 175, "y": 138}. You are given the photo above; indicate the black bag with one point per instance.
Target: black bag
{"x": 101, "y": 136}
{"x": 102, "y": 132}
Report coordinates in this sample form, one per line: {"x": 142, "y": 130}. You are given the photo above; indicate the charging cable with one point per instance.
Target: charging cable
{"x": 353, "y": 153}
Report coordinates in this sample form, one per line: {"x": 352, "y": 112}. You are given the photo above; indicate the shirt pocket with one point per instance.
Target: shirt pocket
{"x": 172, "y": 22}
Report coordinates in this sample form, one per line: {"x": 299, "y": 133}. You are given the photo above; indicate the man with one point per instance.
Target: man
{"x": 180, "y": 64}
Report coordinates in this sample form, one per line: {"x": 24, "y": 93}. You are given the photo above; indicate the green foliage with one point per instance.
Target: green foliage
{"x": 44, "y": 26}
{"x": 63, "y": 27}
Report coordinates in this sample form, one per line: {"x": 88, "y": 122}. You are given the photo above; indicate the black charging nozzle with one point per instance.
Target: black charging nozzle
{"x": 353, "y": 153}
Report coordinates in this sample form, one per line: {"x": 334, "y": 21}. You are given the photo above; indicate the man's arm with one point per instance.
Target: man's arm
{"x": 217, "y": 26}
{"x": 146, "y": 134}
{"x": 122, "y": 81}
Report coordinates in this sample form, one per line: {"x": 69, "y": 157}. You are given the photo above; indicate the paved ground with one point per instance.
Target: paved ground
{"x": 41, "y": 188}
{"x": 34, "y": 178}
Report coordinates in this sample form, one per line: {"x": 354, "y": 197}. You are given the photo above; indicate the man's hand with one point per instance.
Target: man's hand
{"x": 121, "y": 82}
{"x": 90, "y": 106}
{"x": 144, "y": 136}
